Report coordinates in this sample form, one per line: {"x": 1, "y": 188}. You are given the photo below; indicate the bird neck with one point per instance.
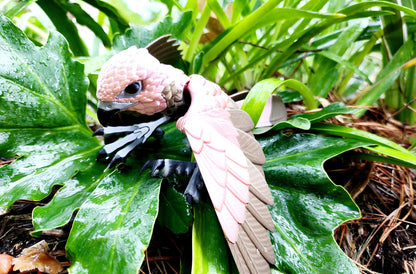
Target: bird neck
{"x": 177, "y": 98}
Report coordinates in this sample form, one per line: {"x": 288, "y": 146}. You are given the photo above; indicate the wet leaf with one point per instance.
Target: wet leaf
{"x": 175, "y": 211}
{"x": 308, "y": 206}
{"x": 113, "y": 226}
{"x": 42, "y": 123}
{"x": 42, "y": 117}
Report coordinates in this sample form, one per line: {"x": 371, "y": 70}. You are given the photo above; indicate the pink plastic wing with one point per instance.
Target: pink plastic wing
{"x": 222, "y": 163}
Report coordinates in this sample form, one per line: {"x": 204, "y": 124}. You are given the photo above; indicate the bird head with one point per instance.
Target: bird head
{"x": 135, "y": 81}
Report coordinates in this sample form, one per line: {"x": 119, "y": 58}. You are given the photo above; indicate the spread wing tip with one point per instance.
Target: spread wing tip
{"x": 164, "y": 49}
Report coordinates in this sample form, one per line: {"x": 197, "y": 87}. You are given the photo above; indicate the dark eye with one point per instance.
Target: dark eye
{"x": 134, "y": 88}
{"x": 131, "y": 90}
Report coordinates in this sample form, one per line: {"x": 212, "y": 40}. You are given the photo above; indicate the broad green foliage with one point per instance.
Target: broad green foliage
{"x": 308, "y": 206}
{"x": 113, "y": 226}
{"x": 31, "y": 89}
{"x": 43, "y": 124}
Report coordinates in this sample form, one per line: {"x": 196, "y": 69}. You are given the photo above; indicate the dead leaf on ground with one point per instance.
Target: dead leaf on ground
{"x": 37, "y": 258}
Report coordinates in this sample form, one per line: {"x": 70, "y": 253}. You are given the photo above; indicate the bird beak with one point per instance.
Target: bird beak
{"x": 106, "y": 111}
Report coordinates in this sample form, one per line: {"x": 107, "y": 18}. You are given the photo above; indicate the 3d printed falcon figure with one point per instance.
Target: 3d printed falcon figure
{"x": 228, "y": 158}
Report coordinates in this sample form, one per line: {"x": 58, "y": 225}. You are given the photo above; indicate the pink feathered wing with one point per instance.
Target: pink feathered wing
{"x": 230, "y": 161}
{"x": 214, "y": 143}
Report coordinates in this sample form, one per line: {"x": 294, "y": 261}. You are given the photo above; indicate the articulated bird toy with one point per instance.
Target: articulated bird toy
{"x": 228, "y": 158}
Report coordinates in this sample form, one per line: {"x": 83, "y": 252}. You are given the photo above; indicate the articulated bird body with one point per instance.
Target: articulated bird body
{"x": 227, "y": 155}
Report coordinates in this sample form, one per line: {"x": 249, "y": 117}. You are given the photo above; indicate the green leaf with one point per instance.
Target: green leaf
{"x": 380, "y": 145}
{"x": 383, "y": 159}
{"x": 113, "y": 227}
{"x": 208, "y": 242}
{"x": 329, "y": 111}
{"x": 42, "y": 104}
{"x": 83, "y": 18}
{"x": 354, "y": 133}
{"x": 326, "y": 77}
{"x": 278, "y": 14}
{"x": 175, "y": 211}
{"x": 197, "y": 33}
{"x": 305, "y": 120}
{"x": 40, "y": 87}
{"x": 387, "y": 76}
{"x": 11, "y": 9}
{"x": 258, "y": 95}
{"x": 43, "y": 98}
{"x": 138, "y": 12}
{"x": 357, "y": 8}
{"x": 297, "y": 122}
{"x": 141, "y": 36}
{"x": 346, "y": 64}
{"x": 296, "y": 41}
{"x": 219, "y": 12}
{"x": 242, "y": 28}
{"x": 308, "y": 206}
{"x": 111, "y": 11}
{"x": 65, "y": 26}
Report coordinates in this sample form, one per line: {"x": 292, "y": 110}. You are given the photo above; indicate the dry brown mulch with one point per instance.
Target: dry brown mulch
{"x": 382, "y": 241}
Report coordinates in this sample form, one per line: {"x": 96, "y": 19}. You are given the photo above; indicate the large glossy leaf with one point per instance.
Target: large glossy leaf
{"x": 112, "y": 228}
{"x": 42, "y": 124}
{"x": 42, "y": 104}
{"x": 308, "y": 206}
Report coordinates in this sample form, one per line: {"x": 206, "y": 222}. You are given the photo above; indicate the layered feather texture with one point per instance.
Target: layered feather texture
{"x": 230, "y": 161}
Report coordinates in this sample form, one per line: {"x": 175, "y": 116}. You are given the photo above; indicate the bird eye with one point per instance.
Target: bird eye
{"x": 134, "y": 88}
{"x": 131, "y": 90}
